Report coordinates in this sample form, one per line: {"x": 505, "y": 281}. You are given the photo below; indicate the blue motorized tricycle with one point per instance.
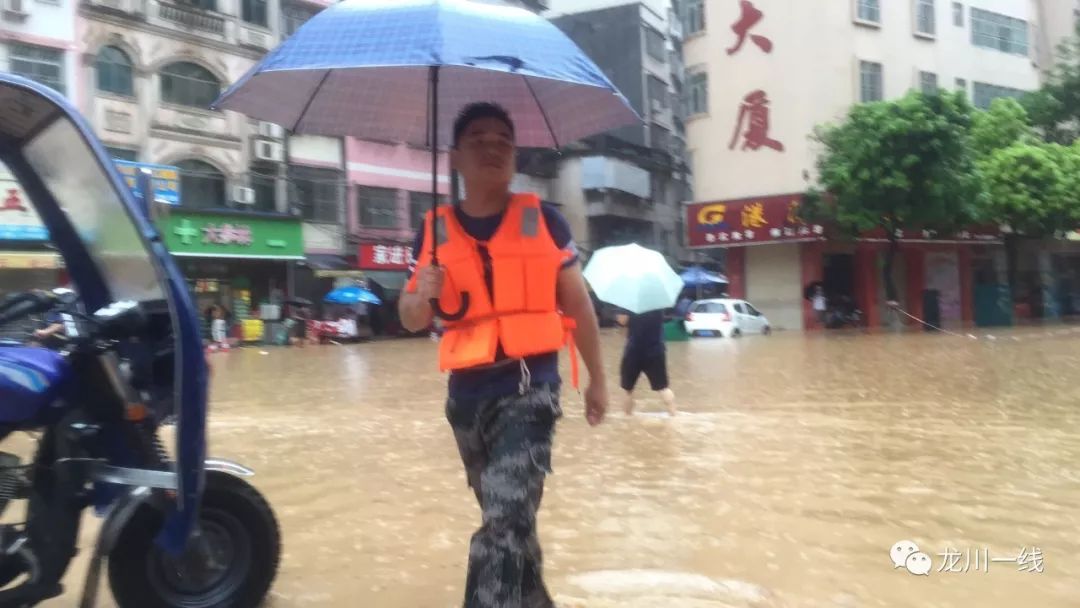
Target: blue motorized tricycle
{"x": 179, "y": 530}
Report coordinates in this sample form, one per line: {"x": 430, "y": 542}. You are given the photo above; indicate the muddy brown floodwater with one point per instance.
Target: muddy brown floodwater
{"x": 797, "y": 463}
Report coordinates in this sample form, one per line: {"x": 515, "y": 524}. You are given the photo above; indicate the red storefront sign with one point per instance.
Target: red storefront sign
{"x": 749, "y": 221}
{"x": 384, "y": 257}
{"x": 776, "y": 219}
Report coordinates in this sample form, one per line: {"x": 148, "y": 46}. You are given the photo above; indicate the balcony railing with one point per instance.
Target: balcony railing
{"x": 193, "y": 18}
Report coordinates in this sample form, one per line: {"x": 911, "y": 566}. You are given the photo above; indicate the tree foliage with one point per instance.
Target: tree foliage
{"x": 898, "y": 164}
{"x": 1004, "y": 124}
{"x": 1055, "y": 108}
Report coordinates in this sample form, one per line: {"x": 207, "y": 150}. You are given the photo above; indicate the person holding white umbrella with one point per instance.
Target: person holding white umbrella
{"x": 640, "y": 281}
{"x": 645, "y": 353}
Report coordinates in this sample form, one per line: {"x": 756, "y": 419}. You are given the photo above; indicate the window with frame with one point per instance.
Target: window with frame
{"x": 925, "y": 21}
{"x": 189, "y": 84}
{"x": 694, "y": 17}
{"x": 114, "y": 72}
{"x": 202, "y": 186}
{"x": 254, "y": 12}
{"x": 961, "y": 84}
{"x": 697, "y": 88}
{"x": 659, "y": 138}
{"x": 958, "y": 14}
{"x": 983, "y": 94}
{"x": 123, "y": 154}
{"x": 39, "y": 63}
{"x": 657, "y": 91}
{"x": 419, "y": 204}
{"x": 264, "y": 184}
{"x": 999, "y": 32}
{"x": 869, "y": 11}
{"x": 928, "y": 82}
{"x": 293, "y": 17}
{"x": 871, "y": 85}
{"x": 378, "y": 207}
{"x": 318, "y": 192}
{"x": 655, "y": 45}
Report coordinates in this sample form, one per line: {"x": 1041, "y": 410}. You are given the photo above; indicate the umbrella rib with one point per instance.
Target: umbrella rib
{"x": 310, "y": 101}
{"x": 543, "y": 112}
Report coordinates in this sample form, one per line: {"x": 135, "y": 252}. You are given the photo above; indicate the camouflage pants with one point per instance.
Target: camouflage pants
{"x": 505, "y": 445}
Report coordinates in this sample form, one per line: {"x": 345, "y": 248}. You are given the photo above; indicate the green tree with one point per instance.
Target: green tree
{"x": 1031, "y": 190}
{"x": 1055, "y": 108}
{"x": 897, "y": 164}
{"x": 1005, "y": 123}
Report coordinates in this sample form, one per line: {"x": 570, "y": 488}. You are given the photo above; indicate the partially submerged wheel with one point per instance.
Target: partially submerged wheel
{"x": 229, "y": 563}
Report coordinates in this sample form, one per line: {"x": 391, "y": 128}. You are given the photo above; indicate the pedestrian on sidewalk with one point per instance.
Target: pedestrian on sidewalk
{"x": 645, "y": 353}
{"x": 515, "y": 258}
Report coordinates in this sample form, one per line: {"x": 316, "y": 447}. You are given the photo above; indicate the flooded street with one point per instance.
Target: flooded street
{"x": 798, "y": 461}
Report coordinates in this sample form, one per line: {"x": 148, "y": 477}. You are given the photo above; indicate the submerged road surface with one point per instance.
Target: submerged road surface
{"x": 795, "y": 466}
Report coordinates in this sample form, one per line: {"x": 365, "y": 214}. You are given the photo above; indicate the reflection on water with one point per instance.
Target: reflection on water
{"x": 797, "y": 464}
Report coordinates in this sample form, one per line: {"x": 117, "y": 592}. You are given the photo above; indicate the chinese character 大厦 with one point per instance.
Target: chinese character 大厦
{"x": 753, "y": 215}
{"x": 749, "y": 18}
{"x": 754, "y": 115}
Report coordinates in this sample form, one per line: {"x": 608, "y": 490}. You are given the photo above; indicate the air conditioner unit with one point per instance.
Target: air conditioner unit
{"x": 269, "y": 151}
{"x": 271, "y": 130}
{"x": 244, "y": 196}
{"x": 14, "y": 9}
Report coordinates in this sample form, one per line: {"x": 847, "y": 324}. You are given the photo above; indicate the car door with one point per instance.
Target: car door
{"x": 755, "y": 319}
{"x": 741, "y": 319}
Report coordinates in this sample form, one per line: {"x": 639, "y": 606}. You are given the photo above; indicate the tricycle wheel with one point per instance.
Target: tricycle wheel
{"x": 229, "y": 563}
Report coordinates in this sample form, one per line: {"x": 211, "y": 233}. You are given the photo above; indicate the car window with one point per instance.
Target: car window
{"x": 700, "y": 307}
{"x": 716, "y": 307}
{"x": 739, "y": 308}
{"x": 752, "y": 310}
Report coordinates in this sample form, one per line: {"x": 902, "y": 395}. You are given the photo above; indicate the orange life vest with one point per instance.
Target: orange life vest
{"x": 521, "y": 312}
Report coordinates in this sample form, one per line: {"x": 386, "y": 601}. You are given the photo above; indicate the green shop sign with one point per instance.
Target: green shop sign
{"x": 213, "y": 235}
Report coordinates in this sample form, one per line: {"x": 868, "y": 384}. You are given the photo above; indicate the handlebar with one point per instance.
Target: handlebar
{"x": 19, "y": 305}
{"x": 114, "y": 322}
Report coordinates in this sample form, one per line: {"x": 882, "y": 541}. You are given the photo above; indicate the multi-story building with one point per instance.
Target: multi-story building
{"x": 761, "y": 74}
{"x": 628, "y": 184}
{"x": 36, "y": 41}
{"x": 1059, "y": 19}
{"x": 254, "y": 200}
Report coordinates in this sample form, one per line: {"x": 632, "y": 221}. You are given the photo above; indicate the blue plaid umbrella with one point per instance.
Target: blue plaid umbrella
{"x": 372, "y": 69}
{"x": 400, "y": 70}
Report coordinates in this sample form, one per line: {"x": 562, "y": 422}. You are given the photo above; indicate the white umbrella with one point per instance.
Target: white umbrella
{"x": 634, "y": 278}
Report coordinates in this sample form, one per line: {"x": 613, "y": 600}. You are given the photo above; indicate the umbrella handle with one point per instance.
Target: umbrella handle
{"x": 456, "y": 316}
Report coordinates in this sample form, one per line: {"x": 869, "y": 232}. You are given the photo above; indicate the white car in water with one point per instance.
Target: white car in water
{"x": 726, "y": 317}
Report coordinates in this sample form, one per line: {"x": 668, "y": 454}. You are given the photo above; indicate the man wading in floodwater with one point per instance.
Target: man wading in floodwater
{"x": 516, "y": 259}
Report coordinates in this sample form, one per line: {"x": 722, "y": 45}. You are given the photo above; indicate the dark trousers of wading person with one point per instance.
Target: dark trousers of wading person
{"x": 505, "y": 445}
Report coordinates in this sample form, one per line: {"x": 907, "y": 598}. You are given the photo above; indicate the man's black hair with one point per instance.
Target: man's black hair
{"x": 477, "y": 111}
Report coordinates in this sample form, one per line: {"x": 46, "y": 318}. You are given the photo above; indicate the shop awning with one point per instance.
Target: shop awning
{"x": 388, "y": 279}
{"x": 329, "y": 266}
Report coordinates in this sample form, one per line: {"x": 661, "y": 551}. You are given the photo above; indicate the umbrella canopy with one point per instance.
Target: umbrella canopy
{"x": 634, "y": 278}
{"x": 696, "y": 276}
{"x": 352, "y": 295}
{"x": 363, "y": 68}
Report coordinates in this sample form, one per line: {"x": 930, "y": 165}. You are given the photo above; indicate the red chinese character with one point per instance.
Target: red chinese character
{"x": 755, "y": 110}
{"x": 13, "y": 202}
{"x": 751, "y": 16}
